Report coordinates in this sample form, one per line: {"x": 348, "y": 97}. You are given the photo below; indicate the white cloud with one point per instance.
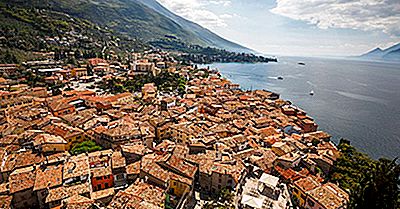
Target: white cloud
{"x": 367, "y": 15}
{"x": 196, "y": 11}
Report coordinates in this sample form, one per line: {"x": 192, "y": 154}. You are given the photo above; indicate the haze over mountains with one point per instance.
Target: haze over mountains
{"x": 145, "y": 20}
{"x": 204, "y": 34}
{"x": 392, "y": 53}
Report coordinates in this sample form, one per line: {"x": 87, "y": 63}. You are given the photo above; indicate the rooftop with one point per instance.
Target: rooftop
{"x": 22, "y": 179}
{"x": 48, "y": 177}
{"x": 76, "y": 166}
{"x": 306, "y": 184}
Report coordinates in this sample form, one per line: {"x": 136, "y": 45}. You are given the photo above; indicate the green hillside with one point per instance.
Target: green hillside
{"x": 27, "y": 29}
{"x": 123, "y": 16}
{"x": 91, "y": 27}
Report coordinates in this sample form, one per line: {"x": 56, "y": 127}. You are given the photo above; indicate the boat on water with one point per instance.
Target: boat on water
{"x": 280, "y": 78}
{"x": 301, "y": 63}
{"x": 312, "y": 93}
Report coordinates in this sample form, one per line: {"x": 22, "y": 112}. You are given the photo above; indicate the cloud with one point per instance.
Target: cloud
{"x": 367, "y": 15}
{"x": 196, "y": 11}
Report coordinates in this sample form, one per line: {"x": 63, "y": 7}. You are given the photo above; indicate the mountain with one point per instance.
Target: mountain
{"x": 24, "y": 32}
{"x": 208, "y": 37}
{"x": 375, "y": 53}
{"x": 144, "y": 20}
{"x": 392, "y": 53}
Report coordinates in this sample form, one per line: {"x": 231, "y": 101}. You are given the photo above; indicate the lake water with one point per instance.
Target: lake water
{"x": 356, "y": 100}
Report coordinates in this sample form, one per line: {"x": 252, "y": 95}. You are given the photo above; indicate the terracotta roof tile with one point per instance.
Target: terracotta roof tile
{"x": 22, "y": 179}
{"x": 48, "y": 177}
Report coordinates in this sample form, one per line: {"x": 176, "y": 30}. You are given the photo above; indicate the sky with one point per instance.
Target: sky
{"x": 298, "y": 27}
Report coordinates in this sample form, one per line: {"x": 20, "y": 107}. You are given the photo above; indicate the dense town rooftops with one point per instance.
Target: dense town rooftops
{"x": 49, "y": 139}
{"x": 121, "y": 128}
{"x": 5, "y": 201}
{"x": 307, "y": 184}
{"x": 330, "y": 196}
{"x": 138, "y": 148}
{"x": 167, "y": 143}
{"x": 64, "y": 192}
{"x": 61, "y": 104}
{"x": 97, "y": 195}
{"x": 133, "y": 168}
{"x": 179, "y": 165}
{"x": 63, "y": 130}
{"x": 139, "y": 195}
{"x": 78, "y": 202}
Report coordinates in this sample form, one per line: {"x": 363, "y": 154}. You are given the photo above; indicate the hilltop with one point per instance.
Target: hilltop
{"x": 206, "y": 36}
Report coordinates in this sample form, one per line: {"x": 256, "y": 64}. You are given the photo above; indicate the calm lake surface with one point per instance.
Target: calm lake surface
{"x": 357, "y": 100}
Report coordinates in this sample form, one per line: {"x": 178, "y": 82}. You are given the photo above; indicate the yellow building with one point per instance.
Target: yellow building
{"x": 70, "y": 134}
{"x": 50, "y": 143}
{"x": 181, "y": 133}
{"x": 179, "y": 185}
{"x": 79, "y": 72}
{"x": 301, "y": 187}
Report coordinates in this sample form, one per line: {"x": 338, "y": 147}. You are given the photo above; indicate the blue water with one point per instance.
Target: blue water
{"x": 356, "y": 100}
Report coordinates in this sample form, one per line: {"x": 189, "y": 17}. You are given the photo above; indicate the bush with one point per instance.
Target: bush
{"x": 86, "y": 146}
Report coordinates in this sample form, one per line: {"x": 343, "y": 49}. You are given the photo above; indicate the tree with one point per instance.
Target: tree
{"x": 89, "y": 69}
{"x": 378, "y": 187}
{"x": 225, "y": 195}
{"x": 86, "y": 146}
{"x": 9, "y": 58}
{"x": 371, "y": 183}
{"x": 71, "y": 60}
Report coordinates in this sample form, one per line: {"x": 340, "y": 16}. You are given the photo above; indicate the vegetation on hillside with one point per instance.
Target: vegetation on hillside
{"x": 189, "y": 54}
{"x": 121, "y": 16}
{"x": 84, "y": 29}
{"x": 28, "y": 30}
{"x": 86, "y": 146}
{"x": 371, "y": 183}
{"x": 165, "y": 82}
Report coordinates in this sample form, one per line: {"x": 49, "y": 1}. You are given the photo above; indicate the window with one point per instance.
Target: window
{"x": 106, "y": 185}
{"x": 303, "y": 196}
{"x": 311, "y": 203}
{"x": 98, "y": 178}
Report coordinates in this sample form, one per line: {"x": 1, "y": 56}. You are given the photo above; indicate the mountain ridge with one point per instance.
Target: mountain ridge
{"x": 205, "y": 34}
{"x": 391, "y": 53}
{"x": 146, "y": 20}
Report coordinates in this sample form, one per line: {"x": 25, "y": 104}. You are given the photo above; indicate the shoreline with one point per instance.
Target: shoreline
{"x": 336, "y": 137}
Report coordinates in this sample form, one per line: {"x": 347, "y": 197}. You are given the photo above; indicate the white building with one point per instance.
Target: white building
{"x": 264, "y": 193}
